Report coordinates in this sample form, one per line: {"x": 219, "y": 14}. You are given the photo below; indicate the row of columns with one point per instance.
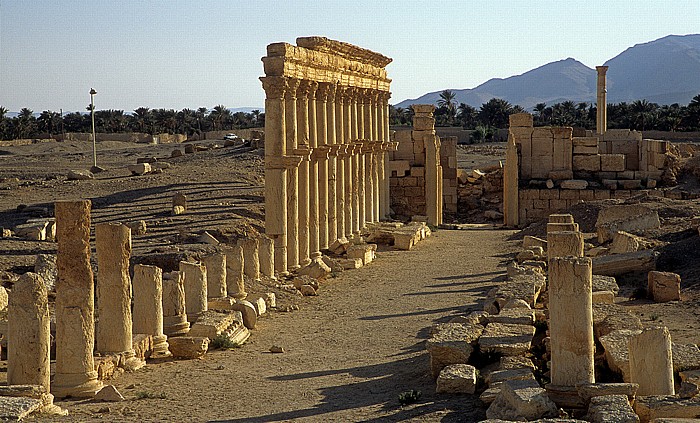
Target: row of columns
{"x": 325, "y": 174}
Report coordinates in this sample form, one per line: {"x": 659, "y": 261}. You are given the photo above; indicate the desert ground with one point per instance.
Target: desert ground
{"x": 351, "y": 350}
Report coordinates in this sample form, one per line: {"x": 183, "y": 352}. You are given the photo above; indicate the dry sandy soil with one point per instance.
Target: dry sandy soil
{"x": 351, "y": 350}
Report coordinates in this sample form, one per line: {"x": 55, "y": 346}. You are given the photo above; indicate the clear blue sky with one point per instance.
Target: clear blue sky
{"x": 177, "y": 54}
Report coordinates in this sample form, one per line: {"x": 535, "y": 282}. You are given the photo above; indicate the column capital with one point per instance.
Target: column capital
{"x": 303, "y": 152}
{"x": 601, "y": 70}
{"x": 350, "y": 94}
{"x": 342, "y": 150}
{"x": 320, "y": 153}
{"x": 325, "y": 90}
{"x": 313, "y": 87}
{"x": 304, "y": 88}
{"x": 365, "y": 95}
{"x": 292, "y": 86}
{"x": 275, "y": 86}
{"x": 384, "y": 95}
{"x": 283, "y": 162}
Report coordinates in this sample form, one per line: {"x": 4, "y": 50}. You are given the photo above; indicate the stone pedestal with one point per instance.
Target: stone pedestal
{"x": 251, "y": 260}
{"x": 266, "y": 254}
{"x": 148, "y": 306}
{"x": 195, "y": 281}
{"x": 28, "y": 333}
{"x": 216, "y": 275}
{"x": 651, "y": 362}
{"x": 75, "y": 328}
{"x": 235, "y": 283}
{"x": 571, "y": 321}
{"x": 564, "y": 244}
{"x": 114, "y": 335}
{"x": 174, "y": 313}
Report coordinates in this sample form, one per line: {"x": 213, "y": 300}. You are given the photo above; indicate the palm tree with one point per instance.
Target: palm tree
{"x": 643, "y": 112}
{"x": 25, "y": 123}
{"x": 142, "y": 119}
{"x": 447, "y": 101}
{"x": 220, "y": 116}
{"x": 467, "y": 115}
{"x": 49, "y": 122}
{"x": 494, "y": 113}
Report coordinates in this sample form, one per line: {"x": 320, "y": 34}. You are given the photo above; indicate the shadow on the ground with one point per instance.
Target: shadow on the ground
{"x": 384, "y": 382}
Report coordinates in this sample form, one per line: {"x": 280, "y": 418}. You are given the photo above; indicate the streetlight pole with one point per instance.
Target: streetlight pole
{"x": 92, "y": 111}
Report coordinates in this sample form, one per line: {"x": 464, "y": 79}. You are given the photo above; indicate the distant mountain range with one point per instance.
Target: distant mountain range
{"x": 129, "y": 112}
{"x": 663, "y": 71}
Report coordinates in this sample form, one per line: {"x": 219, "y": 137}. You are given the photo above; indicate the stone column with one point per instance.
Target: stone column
{"x": 148, "y": 306}
{"x": 235, "y": 284}
{"x": 114, "y": 334}
{"x": 75, "y": 321}
{"x": 340, "y": 141}
{"x": 601, "y": 101}
{"x": 348, "y": 161}
{"x": 316, "y": 156}
{"x": 357, "y": 192}
{"x": 195, "y": 281}
{"x": 332, "y": 165}
{"x": 276, "y": 176}
{"x": 303, "y": 151}
{"x": 651, "y": 362}
{"x": 564, "y": 244}
{"x": 290, "y": 108}
{"x": 216, "y": 275}
{"x": 174, "y": 313}
{"x": 322, "y": 140}
{"x": 251, "y": 260}
{"x": 367, "y": 152}
{"x": 377, "y": 165}
{"x": 266, "y": 254}
{"x": 387, "y": 138}
{"x": 571, "y": 321}
{"x": 28, "y": 327}
{"x": 511, "y": 216}
{"x": 432, "y": 189}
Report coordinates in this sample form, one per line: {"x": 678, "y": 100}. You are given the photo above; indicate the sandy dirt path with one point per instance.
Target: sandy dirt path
{"x": 349, "y": 352}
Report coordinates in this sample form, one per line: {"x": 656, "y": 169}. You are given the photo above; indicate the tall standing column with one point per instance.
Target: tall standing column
{"x": 332, "y": 165}
{"x": 316, "y": 156}
{"x": 28, "y": 357}
{"x": 340, "y": 163}
{"x": 322, "y": 140}
{"x": 571, "y": 321}
{"x": 601, "y": 101}
{"x": 348, "y": 161}
{"x": 114, "y": 334}
{"x": 377, "y": 165}
{"x": 387, "y": 138}
{"x": 290, "y": 108}
{"x": 367, "y": 153}
{"x": 275, "y": 176}
{"x": 75, "y": 317}
{"x": 148, "y": 307}
{"x": 303, "y": 150}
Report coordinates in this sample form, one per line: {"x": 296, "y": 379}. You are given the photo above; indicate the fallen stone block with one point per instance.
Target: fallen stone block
{"x": 457, "y": 379}
{"x": 532, "y": 241}
{"x": 108, "y": 393}
{"x": 248, "y": 312}
{"x": 498, "y": 376}
{"x": 260, "y": 306}
{"x": 365, "y": 252}
{"x": 663, "y": 287}
{"x": 188, "y": 347}
{"x": 333, "y": 264}
{"x": 80, "y": 175}
{"x": 611, "y": 408}
{"x": 616, "y": 346}
{"x": 619, "y": 264}
{"x": 451, "y": 344}
{"x": 35, "y": 231}
{"x": 605, "y": 283}
{"x": 624, "y": 242}
{"x": 517, "y": 316}
{"x": 506, "y": 339}
{"x": 17, "y": 408}
{"x": 521, "y": 400}
{"x": 515, "y": 362}
{"x": 589, "y": 390}
{"x": 649, "y": 408}
{"x": 317, "y": 269}
{"x": 349, "y": 264}
{"x": 597, "y": 251}
{"x": 686, "y": 357}
{"x": 614, "y": 319}
{"x": 627, "y": 217}
{"x": 140, "y": 168}
{"x": 106, "y": 366}
{"x": 604, "y": 297}
{"x": 137, "y": 227}
{"x": 214, "y": 323}
{"x": 143, "y": 345}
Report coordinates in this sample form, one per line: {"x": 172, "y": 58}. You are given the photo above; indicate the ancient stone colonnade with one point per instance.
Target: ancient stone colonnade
{"x": 327, "y": 138}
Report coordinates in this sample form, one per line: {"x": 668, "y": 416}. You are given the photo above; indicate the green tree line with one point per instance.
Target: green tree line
{"x": 640, "y": 114}
{"x": 152, "y": 121}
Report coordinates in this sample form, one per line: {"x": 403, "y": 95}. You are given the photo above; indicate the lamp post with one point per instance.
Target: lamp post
{"x": 92, "y": 111}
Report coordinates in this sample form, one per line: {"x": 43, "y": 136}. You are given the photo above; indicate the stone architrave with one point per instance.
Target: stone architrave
{"x": 75, "y": 328}
{"x": 216, "y": 275}
{"x": 174, "y": 313}
{"x": 571, "y": 321}
{"x": 251, "y": 259}
{"x": 195, "y": 281}
{"x": 266, "y": 255}
{"x": 564, "y": 244}
{"x": 148, "y": 306}
{"x": 235, "y": 283}
{"x": 651, "y": 362}
{"x": 28, "y": 356}
{"x": 114, "y": 330}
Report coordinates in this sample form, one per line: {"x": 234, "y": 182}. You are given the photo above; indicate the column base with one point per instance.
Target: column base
{"x": 160, "y": 347}
{"x": 176, "y": 325}
{"x": 76, "y": 385}
{"x": 315, "y": 255}
{"x": 305, "y": 262}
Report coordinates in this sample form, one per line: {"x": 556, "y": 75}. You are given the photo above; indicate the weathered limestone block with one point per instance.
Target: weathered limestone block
{"x": 526, "y": 287}
{"x": 611, "y": 408}
{"x": 562, "y": 227}
{"x": 174, "y": 311}
{"x": 179, "y": 200}
{"x": 452, "y": 345}
{"x": 589, "y": 390}
{"x": 532, "y": 241}
{"x": 612, "y": 162}
{"x": 79, "y": 175}
{"x": 664, "y": 286}
{"x": 457, "y": 379}
{"x": 515, "y": 362}
{"x": 35, "y": 231}
{"x": 251, "y": 259}
{"x": 571, "y": 320}
{"x": 139, "y": 168}
{"x": 653, "y": 407}
{"x": 564, "y": 244}
{"x": 650, "y": 361}
{"x": 560, "y": 218}
{"x": 517, "y": 316}
{"x": 624, "y": 242}
{"x": 616, "y": 345}
{"x": 619, "y": 264}
{"x": 109, "y": 394}
{"x": 235, "y": 283}
{"x": 17, "y": 408}
{"x": 188, "y": 347}
{"x": 75, "y": 331}
{"x": 506, "y": 339}
{"x": 521, "y": 400}
{"x": 28, "y": 333}
{"x": 266, "y": 254}
{"x": 214, "y": 323}
{"x": 626, "y": 217}
{"x": 685, "y": 357}
{"x": 317, "y": 269}
{"x": 520, "y": 119}
{"x": 603, "y": 297}
{"x": 498, "y": 376}
{"x": 195, "y": 281}
{"x": 574, "y": 184}
{"x": 365, "y": 252}
{"x": 216, "y": 275}
{"x": 106, "y": 366}
{"x": 45, "y": 266}
{"x": 137, "y": 227}
{"x": 248, "y": 312}
{"x": 617, "y": 320}
{"x": 587, "y": 162}
{"x": 148, "y": 307}
{"x": 534, "y": 253}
